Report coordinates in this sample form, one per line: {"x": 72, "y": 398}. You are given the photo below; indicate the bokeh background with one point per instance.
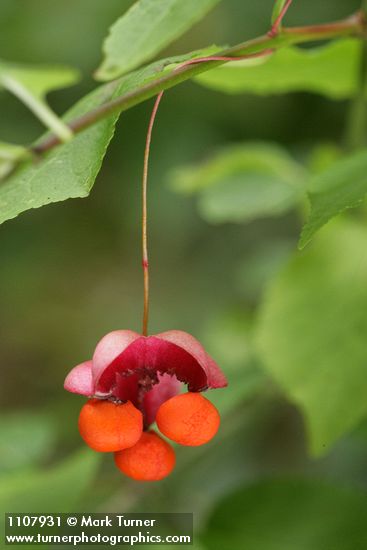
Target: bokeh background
{"x": 70, "y": 272}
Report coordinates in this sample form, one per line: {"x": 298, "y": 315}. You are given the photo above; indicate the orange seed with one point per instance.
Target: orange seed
{"x": 109, "y": 427}
{"x": 151, "y": 459}
{"x": 189, "y": 419}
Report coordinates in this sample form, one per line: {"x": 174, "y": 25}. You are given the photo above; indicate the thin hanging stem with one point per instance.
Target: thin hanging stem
{"x": 145, "y": 215}
{"x": 145, "y": 255}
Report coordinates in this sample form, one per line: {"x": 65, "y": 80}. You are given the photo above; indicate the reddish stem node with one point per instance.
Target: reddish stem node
{"x": 277, "y": 23}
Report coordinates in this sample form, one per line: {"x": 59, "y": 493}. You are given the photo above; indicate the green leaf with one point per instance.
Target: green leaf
{"x": 289, "y": 515}
{"x": 25, "y": 438}
{"x": 58, "y": 489}
{"x": 330, "y": 70}
{"x": 70, "y": 170}
{"x": 277, "y": 10}
{"x": 144, "y": 30}
{"x": 31, "y": 84}
{"x": 243, "y": 182}
{"x": 342, "y": 186}
{"x": 312, "y": 332}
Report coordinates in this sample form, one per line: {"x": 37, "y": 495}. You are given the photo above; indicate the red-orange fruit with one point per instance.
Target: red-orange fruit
{"x": 109, "y": 427}
{"x": 188, "y": 419}
{"x": 151, "y": 459}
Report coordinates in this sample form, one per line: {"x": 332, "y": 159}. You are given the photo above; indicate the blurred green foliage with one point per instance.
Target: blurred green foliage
{"x": 312, "y": 331}
{"x": 244, "y": 182}
{"x": 294, "y": 514}
{"x": 70, "y": 272}
{"x": 330, "y": 70}
{"x": 26, "y": 439}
